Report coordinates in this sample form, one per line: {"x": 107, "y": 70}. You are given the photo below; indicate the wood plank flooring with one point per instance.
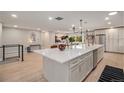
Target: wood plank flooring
{"x": 112, "y": 59}
{"x": 31, "y": 69}
{"x": 28, "y": 71}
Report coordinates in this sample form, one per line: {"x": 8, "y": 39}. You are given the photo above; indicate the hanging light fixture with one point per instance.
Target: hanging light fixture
{"x": 73, "y": 29}
{"x": 81, "y": 25}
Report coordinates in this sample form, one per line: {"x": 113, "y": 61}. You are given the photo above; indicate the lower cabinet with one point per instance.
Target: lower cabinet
{"x": 75, "y": 70}
{"x": 81, "y": 70}
{"x": 74, "y": 74}
{"x": 97, "y": 55}
{"x": 100, "y": 53}
{"x": 90, "y": 63}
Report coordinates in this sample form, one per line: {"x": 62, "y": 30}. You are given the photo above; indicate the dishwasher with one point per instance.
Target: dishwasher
{"x": 95, "y": 54}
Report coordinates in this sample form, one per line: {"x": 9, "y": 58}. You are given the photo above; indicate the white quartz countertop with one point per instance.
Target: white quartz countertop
{"x": 68, "y": 54}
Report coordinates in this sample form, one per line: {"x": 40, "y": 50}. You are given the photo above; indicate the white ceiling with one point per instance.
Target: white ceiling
{"x": 39, "y": 19}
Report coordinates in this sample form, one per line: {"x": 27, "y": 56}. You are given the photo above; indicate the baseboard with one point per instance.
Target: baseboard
{"x": 114, "y": 52}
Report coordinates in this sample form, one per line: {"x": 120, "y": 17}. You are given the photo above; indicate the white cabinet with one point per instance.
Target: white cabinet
{"x": 115, "y": 40}
{"x": 121, "y": 45}
{"x": 0, "y": 41}
{"x": 97, "y": 55}
{"x": 121, "y": 40}
{"x": 74, "y": 74}
{"x": 83, "y": 69}
{"x": 1, "y": 52}
{"x": 112, "y": 40}
{"x": 100, "y": 53}
{"x": 73, "y": 70}
{"x": 79, "y": 71}
{"x": 86, "y": 66}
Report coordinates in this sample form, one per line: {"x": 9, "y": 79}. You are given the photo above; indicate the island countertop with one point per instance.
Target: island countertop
{"x": 68, "y": 54}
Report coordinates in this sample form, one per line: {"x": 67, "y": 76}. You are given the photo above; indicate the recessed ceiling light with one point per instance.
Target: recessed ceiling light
{"x": 73, "y": 25}
{"x": 14, "y": 15}
{"x": 50, "y": 18}
{"x": 106, "y": 18}
{"x": 112, "y": 13}
{"x": 15, "y": 26}
{"x": 109, "y": 23}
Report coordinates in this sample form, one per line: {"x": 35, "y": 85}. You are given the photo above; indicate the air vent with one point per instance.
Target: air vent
{"x": 59, "y": 18}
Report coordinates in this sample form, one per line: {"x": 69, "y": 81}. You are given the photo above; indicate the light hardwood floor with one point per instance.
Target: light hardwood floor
{"x": 112, "y": 59}
{"x": 31, "y": 69}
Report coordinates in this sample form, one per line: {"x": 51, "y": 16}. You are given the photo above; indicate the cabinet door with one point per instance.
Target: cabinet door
{"x": 112, "y": 40}
{"x": 1, "y": 52}
{"x": 74, "y": 74}
{"x": 89, "y": 63}
{"x": 82, "y": 69}
{"x": 121, "y": 45}
{"x": 100, "y": 53}
{"x": 86, "y": 66}
{"x": 121, "y": 40}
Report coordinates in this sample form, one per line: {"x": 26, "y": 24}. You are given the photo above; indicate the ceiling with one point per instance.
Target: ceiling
{"x": 39, "y": 19}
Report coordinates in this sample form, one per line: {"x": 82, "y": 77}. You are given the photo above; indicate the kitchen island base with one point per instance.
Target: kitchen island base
{"x": 74, "y": 70}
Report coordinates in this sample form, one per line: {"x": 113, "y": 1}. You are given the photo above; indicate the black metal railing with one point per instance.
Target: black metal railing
{"x": 20, "y": 50}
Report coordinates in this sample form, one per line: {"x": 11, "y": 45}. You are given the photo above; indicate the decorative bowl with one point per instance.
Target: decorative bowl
{"x": 61, "y": 47}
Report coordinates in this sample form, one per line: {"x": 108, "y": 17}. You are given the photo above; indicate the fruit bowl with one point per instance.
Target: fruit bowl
{"x": 61, "y": 47}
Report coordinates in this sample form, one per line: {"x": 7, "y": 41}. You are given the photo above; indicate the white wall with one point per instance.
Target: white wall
{"x": 51, "y": 38}
{"x": 17, "y": 36}
{"x": 0, "y": 34}
{"x": 0, "y": 41}
{"x": 47, "y": 39}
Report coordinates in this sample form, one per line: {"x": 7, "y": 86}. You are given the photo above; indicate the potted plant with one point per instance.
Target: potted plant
{"x": 71, "y": 39}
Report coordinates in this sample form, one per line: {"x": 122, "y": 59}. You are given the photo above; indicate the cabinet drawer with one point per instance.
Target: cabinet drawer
{"x": 79, "y": 59}
{"x": 85, "y": 55}
{"x": 74, "y": 63}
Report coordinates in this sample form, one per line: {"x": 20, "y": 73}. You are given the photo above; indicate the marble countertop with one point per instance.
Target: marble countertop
{"x": 68, "y": 54}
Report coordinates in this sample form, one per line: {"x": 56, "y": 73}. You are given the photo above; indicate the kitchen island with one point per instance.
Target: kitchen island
{"x": 72, "y": 64}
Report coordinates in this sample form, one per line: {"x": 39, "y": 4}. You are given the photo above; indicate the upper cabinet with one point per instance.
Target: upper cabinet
{"x": 115, "y": 40}
{"x": 121, "y": 40}
{"x": 0, "y": 34}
